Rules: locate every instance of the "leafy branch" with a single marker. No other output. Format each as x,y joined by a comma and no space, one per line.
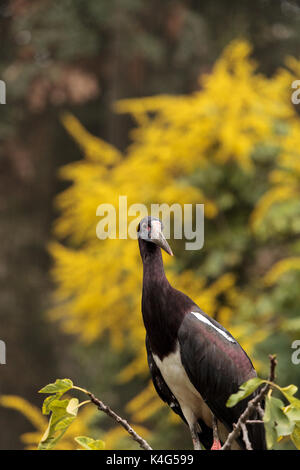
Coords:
106,409
279,420
64,412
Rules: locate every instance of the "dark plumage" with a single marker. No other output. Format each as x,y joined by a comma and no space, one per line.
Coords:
195,363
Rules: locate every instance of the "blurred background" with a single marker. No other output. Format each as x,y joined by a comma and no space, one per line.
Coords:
163,101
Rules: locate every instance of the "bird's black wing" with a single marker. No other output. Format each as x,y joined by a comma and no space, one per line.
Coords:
160,385
163,391
217,365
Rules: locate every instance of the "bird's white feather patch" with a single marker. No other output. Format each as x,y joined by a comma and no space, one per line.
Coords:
206,320
191,402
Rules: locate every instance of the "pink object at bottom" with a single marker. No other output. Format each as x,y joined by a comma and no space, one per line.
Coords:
216,445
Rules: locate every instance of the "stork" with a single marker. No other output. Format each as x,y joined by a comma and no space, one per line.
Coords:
195,363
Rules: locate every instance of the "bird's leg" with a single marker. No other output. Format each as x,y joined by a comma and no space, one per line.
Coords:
216,444
195,438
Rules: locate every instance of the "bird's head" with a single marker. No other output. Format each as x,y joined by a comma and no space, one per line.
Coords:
150,229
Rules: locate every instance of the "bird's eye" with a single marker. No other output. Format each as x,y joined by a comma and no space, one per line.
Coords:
144,226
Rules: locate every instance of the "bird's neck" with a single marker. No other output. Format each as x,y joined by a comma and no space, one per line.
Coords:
163,307
153,267
157,309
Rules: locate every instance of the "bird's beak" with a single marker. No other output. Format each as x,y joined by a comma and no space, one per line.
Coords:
158,238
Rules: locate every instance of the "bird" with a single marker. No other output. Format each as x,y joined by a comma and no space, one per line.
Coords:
195,363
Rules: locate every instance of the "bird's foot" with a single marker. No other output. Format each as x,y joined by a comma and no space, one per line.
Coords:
216,445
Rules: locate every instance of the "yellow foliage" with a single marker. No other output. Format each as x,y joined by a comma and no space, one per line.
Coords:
32,413
280,268
94,148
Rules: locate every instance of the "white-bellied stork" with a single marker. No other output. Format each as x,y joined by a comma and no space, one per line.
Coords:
195,363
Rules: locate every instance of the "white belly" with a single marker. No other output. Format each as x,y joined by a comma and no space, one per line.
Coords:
191,402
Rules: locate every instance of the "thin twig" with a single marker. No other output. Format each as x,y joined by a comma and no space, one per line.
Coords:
252,405
260,410
106,409
246,437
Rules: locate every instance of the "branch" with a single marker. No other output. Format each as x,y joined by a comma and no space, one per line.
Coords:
260,410
246,437
252,405
106,409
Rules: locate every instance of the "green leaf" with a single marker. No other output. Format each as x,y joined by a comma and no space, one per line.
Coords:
276,421
64,423
293,411
52,436
245,390
60,386
72,407
45,408
90,444
57,405
59,421
289,392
